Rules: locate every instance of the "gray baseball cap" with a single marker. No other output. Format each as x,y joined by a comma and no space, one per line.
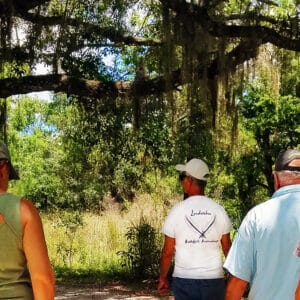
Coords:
285,159
4,154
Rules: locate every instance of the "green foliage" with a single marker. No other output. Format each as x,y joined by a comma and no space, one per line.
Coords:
27,116
273,121
66,248
14,69
66,274
251,185
126,179
142,255
290,72
160,187
71,157
103,153
94,245
32,142
268,124
156,136
88,66
222,187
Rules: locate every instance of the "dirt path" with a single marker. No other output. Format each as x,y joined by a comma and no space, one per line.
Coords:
141,291
144,291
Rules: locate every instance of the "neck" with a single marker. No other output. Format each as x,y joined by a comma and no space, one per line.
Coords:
191,188
196,194
285,178
195,191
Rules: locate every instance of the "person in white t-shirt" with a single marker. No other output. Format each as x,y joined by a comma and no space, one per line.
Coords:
196,230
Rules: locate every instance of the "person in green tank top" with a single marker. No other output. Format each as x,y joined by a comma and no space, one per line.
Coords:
25,269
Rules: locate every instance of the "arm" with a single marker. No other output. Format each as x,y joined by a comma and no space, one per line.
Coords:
165,262
235,288
297,293
34,244
226,243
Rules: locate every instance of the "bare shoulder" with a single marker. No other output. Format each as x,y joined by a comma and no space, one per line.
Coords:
28,211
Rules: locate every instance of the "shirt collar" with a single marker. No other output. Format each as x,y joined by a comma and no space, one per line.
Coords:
286,190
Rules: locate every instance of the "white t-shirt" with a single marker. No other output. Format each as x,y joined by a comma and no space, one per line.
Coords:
197,224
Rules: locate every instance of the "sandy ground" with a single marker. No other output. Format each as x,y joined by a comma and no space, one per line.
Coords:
107,292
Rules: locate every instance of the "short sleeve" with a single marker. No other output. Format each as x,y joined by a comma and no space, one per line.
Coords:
169,225
241,259
227,224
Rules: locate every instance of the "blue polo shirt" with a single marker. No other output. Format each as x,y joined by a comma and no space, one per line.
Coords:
266,249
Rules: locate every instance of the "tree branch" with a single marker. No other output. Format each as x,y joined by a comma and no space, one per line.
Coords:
265,34
9,7
59,83
97,89
235,57
110,33
82,87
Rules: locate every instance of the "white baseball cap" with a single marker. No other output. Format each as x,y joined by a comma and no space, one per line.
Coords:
196,168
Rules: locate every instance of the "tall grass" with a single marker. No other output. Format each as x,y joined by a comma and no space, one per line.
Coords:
86,244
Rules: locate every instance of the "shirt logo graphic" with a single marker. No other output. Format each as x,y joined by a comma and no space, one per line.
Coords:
197,229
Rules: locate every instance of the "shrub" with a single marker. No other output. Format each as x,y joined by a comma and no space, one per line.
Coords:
142,257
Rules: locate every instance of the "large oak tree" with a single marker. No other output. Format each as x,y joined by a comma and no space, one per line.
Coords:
163,49
57,32
190,57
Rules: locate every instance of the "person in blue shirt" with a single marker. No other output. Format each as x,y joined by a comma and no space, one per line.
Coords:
266,250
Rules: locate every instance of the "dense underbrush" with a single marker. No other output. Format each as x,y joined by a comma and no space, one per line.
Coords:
118,242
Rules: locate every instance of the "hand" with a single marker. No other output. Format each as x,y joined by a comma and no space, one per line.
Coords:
163,286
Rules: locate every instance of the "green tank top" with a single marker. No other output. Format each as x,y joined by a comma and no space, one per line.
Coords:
14,276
